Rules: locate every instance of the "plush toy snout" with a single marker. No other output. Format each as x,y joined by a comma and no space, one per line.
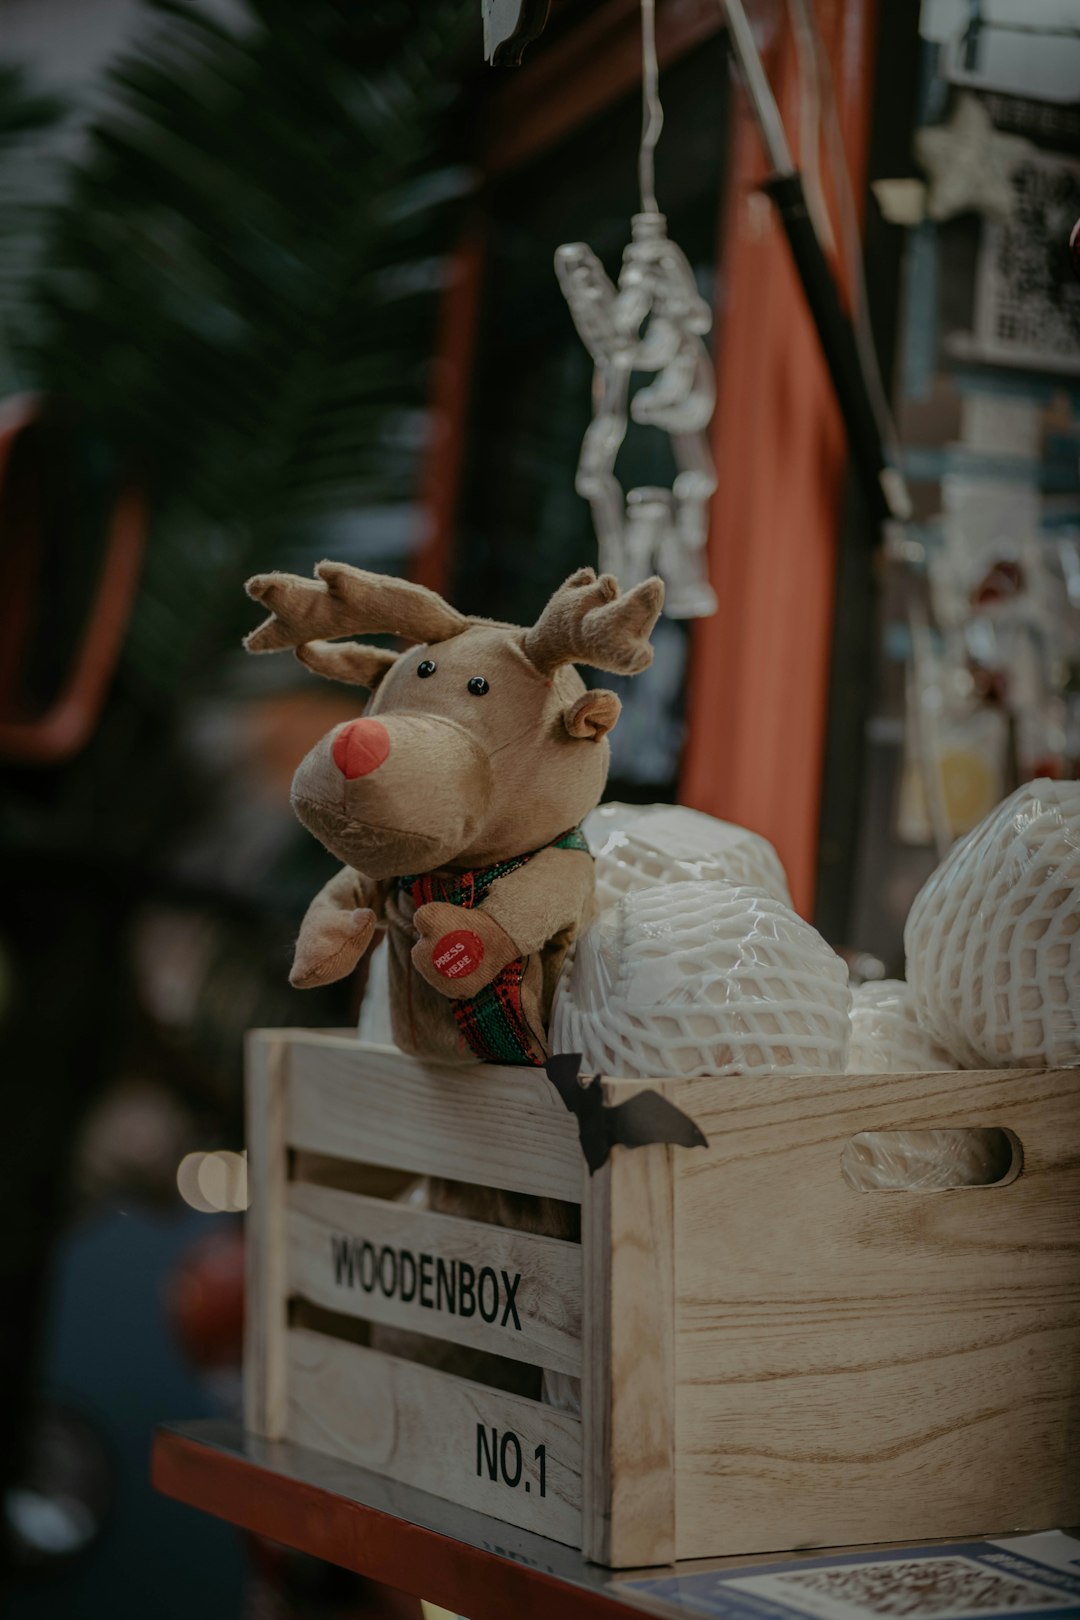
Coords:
360,748
394,794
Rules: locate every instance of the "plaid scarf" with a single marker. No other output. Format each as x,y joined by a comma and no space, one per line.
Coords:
492,1021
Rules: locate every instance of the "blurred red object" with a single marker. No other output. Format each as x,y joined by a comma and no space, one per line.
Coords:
1004,581
991,685
205,1300
67,721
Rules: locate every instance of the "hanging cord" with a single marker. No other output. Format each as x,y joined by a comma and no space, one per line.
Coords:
923,691
652,113
766,111
850,237
921,681
850,357
810,122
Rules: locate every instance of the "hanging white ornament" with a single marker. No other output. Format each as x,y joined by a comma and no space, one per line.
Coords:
969,164
653,322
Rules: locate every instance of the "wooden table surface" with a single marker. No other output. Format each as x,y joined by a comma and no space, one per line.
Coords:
390,1533
398,1536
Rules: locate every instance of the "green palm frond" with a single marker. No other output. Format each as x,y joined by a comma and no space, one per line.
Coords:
239,292
24,108
26,114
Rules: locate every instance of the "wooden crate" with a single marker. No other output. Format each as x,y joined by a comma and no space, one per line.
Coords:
769,1358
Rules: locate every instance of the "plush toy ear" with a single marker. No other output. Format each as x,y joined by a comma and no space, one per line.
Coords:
348,661
593,715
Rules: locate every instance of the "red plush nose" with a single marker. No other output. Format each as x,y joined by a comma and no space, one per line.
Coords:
360,747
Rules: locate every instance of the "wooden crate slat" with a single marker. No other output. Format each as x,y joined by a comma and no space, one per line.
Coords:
511,1131
901,1364
267,1057
628,1388
437,1432
428,1272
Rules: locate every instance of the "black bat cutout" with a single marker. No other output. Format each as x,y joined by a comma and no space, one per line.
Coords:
644,1118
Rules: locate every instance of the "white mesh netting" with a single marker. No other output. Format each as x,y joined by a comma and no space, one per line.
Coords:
637,845
993,938
886,1036
701,979
375,1024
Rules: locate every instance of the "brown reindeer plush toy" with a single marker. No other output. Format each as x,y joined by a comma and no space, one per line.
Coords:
455,802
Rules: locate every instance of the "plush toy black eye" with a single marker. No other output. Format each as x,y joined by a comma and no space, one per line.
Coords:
478,686
425,669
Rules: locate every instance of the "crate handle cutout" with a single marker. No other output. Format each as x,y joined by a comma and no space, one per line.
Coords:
945,1159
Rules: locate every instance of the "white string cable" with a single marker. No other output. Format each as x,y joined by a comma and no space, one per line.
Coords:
850,237
773,135
766,111
652,113
810,122
923,693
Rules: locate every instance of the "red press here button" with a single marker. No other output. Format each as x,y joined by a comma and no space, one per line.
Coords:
458,953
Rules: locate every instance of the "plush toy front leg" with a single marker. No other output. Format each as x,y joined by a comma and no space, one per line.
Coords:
329,947
460,951
335,932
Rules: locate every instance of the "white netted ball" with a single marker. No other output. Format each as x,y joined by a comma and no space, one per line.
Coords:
703,979
886,1036
993,938
637,845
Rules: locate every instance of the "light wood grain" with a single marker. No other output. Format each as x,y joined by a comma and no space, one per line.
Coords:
495,1127
420,1427
265,1290
541,1275
868,1366
769,1358
628,1380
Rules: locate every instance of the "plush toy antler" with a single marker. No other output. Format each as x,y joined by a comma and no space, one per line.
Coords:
588,622
454,801
345,601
